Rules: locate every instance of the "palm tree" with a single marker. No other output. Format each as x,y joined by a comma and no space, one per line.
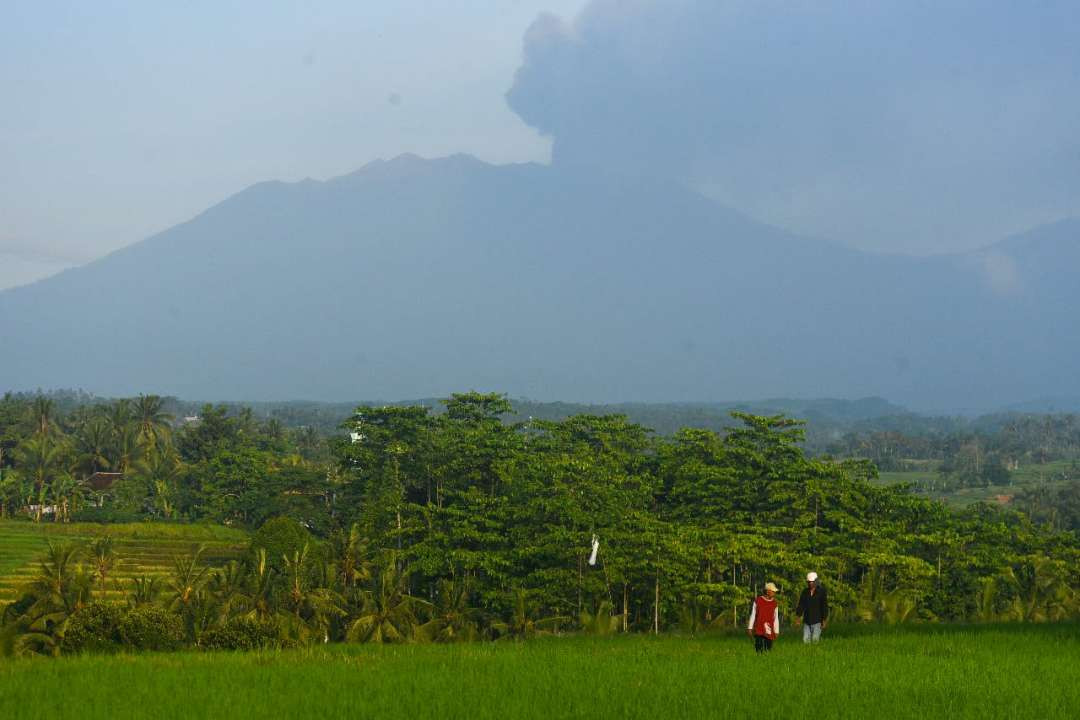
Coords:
187,578
312,609
986,602
41,459
93,441
151,421
351,557
185,585
104,559
388,614
145,590
1040,590
159,471
60,588
601,622
228,585
43,415
876,604
14,491
119,415
127,447
263,583
522,624
453,619
65,492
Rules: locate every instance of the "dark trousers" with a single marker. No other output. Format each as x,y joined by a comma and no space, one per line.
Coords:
762,643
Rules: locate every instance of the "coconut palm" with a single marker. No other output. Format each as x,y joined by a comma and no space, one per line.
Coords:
43,415
1040,590
119,415
312,609
186,596
151,420
93,444
228,585
601,622
388,613
127,447
14,492
159,471
986,601
104,560
876,604
263,582
64,496
59,589
453,619
187,578
41,459
351,557
522,624
145,591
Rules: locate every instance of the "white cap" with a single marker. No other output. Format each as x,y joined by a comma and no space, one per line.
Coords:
811,577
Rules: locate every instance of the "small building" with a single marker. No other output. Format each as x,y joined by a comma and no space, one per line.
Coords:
103,481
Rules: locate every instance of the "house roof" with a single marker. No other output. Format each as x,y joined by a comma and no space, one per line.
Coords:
103,480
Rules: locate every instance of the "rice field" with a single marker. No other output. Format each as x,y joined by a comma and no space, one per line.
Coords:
920,672
142,549
1026,476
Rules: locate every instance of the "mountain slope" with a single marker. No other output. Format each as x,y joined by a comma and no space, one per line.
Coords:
417,277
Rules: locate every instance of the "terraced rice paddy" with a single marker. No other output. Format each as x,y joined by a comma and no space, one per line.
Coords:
142,549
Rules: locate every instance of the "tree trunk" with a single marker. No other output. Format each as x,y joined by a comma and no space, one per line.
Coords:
579,584
656,608
734,604
625,606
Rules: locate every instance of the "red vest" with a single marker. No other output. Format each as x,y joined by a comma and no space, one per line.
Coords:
765,614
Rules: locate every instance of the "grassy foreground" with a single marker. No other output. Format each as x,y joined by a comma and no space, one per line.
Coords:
987,672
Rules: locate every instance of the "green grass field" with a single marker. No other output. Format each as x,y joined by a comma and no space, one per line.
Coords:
142,548
921,672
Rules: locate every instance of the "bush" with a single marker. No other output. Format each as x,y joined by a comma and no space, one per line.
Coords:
94,628
151,628
241,634
280,537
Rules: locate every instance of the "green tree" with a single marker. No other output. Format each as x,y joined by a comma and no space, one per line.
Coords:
104,559
42,460
151,421
387,613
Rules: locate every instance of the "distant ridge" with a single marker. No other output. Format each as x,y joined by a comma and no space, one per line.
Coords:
414,277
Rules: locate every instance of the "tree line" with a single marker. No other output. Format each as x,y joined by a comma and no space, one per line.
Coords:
451,525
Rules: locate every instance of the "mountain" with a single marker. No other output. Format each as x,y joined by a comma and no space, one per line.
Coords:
413,278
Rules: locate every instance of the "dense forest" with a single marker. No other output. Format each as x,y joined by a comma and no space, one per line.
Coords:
417,523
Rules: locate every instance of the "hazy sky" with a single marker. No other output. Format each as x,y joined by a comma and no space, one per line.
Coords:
120,119
896,125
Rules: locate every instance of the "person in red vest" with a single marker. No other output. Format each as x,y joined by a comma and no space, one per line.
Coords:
764,624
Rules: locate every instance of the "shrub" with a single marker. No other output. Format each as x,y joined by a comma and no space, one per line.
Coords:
94,628
242,634
151,628
280,537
